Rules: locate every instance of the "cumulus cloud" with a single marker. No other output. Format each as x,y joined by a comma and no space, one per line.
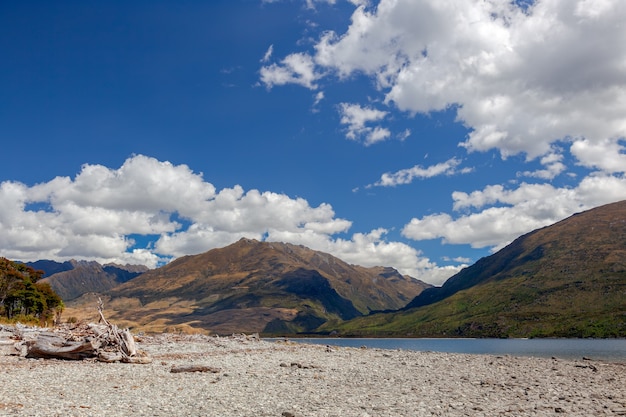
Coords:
520,78
534,78
499,215
98,214
608,154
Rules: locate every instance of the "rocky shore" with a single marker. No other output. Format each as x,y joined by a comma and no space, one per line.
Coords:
244,376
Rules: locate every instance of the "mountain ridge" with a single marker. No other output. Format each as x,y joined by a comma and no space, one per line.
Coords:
73,278
252,286
563,280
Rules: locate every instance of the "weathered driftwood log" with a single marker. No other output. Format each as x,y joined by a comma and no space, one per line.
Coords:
193,368
47,347
105,342
110,357
127,342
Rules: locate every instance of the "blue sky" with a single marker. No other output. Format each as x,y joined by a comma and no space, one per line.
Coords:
417,134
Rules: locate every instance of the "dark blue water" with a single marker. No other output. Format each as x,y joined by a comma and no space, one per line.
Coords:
613,350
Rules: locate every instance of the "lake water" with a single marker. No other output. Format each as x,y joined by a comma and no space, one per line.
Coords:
598,349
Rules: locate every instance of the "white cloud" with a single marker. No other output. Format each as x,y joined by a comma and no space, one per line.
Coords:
91,216
406,176
553,167
268,54
523,80
533,80
404,135
233,214
319,96
593,8
97,214
502,215
459,259
608,155
294,69
357,119
520,79
377,134
141,184
311,3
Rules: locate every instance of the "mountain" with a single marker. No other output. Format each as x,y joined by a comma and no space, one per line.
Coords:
564,280
50,267
253,286
72,279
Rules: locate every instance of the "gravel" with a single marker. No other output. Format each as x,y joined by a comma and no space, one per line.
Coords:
245,376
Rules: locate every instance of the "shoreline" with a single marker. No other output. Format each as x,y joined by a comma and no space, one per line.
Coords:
607,350
253,377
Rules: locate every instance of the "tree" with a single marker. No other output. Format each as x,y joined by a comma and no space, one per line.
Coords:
54,303
22,295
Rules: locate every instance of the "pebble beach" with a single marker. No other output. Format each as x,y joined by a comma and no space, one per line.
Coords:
193,375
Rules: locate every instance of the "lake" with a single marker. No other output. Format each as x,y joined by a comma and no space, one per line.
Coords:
613,350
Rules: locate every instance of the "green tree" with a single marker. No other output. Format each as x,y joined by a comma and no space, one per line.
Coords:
54,303
22,295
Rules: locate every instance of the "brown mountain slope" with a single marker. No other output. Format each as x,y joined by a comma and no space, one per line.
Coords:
568,279
253,286
79,277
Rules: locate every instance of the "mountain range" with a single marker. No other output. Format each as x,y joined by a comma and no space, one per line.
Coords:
564,280
252,286
73,278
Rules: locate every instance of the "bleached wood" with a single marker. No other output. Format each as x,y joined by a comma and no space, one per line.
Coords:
103,341
128,343
46,348
193,368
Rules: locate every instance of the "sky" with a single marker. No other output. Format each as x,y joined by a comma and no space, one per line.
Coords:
416,134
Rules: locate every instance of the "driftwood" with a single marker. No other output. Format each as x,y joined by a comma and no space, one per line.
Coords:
193,368
50,346
104,342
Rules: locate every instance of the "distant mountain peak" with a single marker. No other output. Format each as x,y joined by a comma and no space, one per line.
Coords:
73,278
253,286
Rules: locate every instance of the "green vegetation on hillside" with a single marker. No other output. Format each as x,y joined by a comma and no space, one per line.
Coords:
565,280
518,309
23,298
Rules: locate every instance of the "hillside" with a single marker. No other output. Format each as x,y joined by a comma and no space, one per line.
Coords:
72,279
253,286
565,280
